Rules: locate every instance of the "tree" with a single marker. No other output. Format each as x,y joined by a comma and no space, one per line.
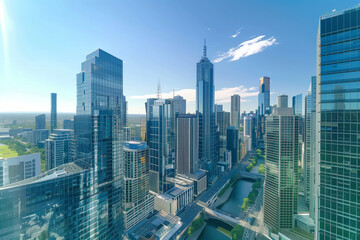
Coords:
237,232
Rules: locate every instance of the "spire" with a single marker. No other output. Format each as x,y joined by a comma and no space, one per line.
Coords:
158,90
204,53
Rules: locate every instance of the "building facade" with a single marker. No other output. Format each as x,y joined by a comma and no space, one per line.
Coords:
235,110
205,110
187,144
338,112
58,148
138,202
232,145
53,114
281,169
160,137
40,122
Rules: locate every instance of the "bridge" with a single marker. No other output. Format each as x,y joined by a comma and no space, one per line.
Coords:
250,175
229,219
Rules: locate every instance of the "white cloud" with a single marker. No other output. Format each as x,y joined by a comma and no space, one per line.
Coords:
236,34
247,48
221,96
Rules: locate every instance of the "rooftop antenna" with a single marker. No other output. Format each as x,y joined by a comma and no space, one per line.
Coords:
158,95
204,52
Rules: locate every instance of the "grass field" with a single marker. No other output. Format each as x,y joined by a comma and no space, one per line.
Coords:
6,152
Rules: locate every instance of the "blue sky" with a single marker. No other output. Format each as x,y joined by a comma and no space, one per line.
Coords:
43,43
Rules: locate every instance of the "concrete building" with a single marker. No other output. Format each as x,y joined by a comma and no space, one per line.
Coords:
137,201
17,168
187,144
235,111
68,124
175,199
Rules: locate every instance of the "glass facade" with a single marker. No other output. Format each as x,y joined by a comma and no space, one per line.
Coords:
281,170
235,111
205,110
297,104
264,96
232,144
160,137
338,81
40,121
53,114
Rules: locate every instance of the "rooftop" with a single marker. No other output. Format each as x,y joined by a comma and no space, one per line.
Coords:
133,145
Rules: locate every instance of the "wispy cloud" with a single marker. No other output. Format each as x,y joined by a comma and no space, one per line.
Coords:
236,34
221,96
247,48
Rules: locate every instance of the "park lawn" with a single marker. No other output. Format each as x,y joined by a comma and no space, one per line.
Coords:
6,152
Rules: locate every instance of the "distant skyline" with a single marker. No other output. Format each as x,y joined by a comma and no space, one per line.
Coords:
43,43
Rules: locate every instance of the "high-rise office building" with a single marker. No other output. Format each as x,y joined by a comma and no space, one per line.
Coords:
99,122
232,139
313,153
307,146
205,97
160,137
53,114
81,199
249,133
39,136
179,105
40,122
68,124
127,134
282,101
264,96
58,148
187,141
138,202
235,110
297,104
338,117
223,122
281,168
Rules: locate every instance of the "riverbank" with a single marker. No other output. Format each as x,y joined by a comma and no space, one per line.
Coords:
223,198
197,234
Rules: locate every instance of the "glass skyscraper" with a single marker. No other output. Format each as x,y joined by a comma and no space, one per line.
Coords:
281,169
338,119
205,110
297,104
40,121
53,114
264,96
82,199
160,137
235,111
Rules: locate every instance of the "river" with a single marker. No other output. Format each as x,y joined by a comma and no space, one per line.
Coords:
232,206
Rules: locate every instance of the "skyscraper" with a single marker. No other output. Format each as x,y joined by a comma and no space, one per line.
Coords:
281,168
138,202
338,117
232,145
249,133
40,122
282,101
68,124
187,141
99,123
205,96
179,105
264,96
297,104
160,137
223,122
235,110
313,153
58,148
53,116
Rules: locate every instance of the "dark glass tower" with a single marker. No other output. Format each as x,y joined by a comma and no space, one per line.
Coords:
53,117
338,129
40,122
205,96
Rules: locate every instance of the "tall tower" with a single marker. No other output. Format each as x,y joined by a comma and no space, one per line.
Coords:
338,117
205,96
160,137
281,168
264,96
235,110
53,117
99,124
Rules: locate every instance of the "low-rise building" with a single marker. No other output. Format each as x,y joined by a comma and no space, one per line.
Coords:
175,199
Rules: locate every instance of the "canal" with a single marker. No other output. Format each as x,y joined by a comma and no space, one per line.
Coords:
215,229
241,190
